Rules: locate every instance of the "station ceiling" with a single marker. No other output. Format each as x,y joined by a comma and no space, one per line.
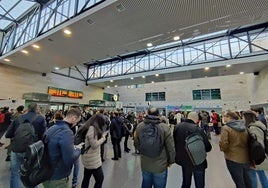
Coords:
117,27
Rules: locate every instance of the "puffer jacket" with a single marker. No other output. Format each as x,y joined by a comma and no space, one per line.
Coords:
92,158
167,157
257,128
234,142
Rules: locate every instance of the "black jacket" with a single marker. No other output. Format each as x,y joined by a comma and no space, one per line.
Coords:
181,131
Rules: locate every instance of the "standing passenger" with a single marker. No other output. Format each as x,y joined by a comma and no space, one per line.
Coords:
62,153
116,135
234,144
258,129
17,158
91,159
181,131
7,117
154,169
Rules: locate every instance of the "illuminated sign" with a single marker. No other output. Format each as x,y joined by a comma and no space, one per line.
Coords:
59,92
75,94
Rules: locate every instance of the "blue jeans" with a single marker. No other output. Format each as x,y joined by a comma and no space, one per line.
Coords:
16,160
262,177
199,177
75,172
158,180
239,173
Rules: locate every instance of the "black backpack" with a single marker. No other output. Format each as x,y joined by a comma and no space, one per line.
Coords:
256,150
24,135
36,167
151,142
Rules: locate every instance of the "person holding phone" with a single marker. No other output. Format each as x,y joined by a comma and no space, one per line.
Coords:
91,159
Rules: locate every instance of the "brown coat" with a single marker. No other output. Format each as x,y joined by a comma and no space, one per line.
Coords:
234,144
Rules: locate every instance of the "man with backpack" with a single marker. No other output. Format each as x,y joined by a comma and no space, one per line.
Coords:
154,141
184,157
62,153
30,124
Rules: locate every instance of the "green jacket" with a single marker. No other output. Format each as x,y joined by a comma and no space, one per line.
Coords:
167,157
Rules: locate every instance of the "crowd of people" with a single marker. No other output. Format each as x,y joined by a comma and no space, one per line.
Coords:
60,126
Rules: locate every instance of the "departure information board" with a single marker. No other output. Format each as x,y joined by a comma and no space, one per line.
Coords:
59,92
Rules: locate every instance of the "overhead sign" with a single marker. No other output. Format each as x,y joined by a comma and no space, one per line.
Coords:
59,92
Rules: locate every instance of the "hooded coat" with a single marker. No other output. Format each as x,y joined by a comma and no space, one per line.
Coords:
257,128
234,142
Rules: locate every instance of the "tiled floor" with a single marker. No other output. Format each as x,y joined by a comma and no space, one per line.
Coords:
125,173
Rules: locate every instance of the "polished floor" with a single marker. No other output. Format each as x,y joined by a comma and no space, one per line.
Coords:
126,172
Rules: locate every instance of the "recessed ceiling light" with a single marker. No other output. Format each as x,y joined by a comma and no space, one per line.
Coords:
152,82
115,85
228,66
131,78
156,75
67,32
35,46
206,68
108,86
241,73
176,38
57,68
7,60
111,81
24,51
143,76
149,44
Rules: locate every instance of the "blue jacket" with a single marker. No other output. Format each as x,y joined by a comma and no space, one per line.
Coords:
61,149
39,125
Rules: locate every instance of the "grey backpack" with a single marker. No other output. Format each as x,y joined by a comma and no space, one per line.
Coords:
195,147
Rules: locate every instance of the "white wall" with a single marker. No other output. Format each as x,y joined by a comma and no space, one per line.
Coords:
14,82
236,90
258,87
234,93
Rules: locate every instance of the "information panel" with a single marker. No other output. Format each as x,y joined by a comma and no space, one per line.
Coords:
75,94
57,92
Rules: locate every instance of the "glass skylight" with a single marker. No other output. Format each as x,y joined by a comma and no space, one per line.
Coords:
12,10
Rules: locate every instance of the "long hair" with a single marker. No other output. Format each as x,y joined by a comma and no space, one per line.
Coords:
249,117
97,121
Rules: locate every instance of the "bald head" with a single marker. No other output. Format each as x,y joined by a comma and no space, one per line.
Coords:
193,116
153,111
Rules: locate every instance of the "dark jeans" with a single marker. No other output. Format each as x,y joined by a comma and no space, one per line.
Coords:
199,177
126,141
239,173
206,129
102,151
116,148
97,174
216,128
